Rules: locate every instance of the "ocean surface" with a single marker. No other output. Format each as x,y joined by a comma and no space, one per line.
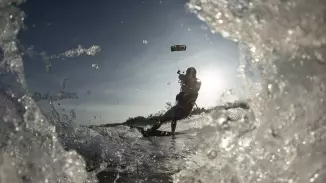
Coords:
123,154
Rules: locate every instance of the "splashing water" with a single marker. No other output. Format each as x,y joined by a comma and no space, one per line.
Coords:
79,51
283,39
30,151
93,50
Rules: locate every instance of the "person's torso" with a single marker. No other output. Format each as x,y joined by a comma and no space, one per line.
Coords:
191,86
189,93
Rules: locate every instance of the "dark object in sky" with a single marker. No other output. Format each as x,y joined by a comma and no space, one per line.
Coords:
178,48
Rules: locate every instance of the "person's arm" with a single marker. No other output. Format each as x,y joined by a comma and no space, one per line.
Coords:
182,77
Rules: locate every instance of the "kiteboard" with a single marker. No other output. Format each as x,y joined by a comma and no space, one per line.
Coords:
154,133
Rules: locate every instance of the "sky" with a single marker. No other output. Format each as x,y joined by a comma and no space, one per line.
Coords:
136,72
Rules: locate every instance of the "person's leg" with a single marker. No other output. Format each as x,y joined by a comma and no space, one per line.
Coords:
156,126
173,126
170,115
178,114
174,114
182,110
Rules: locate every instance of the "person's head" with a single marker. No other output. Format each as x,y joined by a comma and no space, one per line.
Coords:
191,72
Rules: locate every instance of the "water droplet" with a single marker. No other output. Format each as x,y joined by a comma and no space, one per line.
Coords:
253,49
212,154
145,41
95,66
222,120
218,15
319,57
270,87
203,27
225,34
201,18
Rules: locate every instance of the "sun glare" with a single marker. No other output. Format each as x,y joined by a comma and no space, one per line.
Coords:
213,84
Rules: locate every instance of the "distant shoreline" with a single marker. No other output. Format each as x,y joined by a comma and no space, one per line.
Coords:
139,119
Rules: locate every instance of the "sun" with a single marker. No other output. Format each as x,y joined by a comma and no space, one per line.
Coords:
212,85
